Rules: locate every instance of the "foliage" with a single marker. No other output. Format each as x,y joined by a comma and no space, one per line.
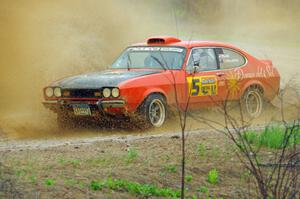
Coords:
49,182
74,162
134,188
170,168
188,178
213,177
32,178
272,137
132,155
203,189
201,150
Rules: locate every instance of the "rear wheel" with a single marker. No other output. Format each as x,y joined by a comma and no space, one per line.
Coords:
154,110
253,102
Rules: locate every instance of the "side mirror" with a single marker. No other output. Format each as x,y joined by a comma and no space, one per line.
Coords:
195,68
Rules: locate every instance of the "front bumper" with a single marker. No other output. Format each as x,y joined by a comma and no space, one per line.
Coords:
97,107
111,104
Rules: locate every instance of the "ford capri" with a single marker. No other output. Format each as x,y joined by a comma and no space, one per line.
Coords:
150,79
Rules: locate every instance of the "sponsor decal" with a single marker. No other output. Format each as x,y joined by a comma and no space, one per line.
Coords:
224,58
203,85
234,77
264,72
233,82
164,49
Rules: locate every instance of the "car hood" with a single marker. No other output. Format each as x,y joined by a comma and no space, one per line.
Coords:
100,79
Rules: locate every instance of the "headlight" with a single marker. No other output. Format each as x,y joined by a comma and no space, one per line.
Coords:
57,92
115,92
49,92
106,92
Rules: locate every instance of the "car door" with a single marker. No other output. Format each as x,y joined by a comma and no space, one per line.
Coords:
206,82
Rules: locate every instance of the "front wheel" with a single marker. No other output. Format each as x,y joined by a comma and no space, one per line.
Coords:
253,102
154,110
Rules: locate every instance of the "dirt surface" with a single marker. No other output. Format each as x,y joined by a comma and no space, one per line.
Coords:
74,165
44,41
72,160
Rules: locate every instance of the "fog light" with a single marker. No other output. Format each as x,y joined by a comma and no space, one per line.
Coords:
97,94
66,93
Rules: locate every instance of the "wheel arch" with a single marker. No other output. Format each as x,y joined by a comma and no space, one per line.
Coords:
151,92
253,84
155,91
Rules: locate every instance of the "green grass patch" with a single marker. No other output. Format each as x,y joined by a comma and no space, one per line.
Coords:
49,182
188,178
170,168
131,155
32,178
213,176
74,162
134,188
201,150
274,137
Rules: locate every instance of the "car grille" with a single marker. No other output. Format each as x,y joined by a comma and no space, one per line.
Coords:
80,93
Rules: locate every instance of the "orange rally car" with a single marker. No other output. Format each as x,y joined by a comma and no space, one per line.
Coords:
151,77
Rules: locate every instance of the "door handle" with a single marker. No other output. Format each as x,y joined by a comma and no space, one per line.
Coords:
219,74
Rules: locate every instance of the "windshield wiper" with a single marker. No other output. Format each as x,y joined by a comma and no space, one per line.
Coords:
158,61
128,61
164,61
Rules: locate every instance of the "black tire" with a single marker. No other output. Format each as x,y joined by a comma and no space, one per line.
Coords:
154,110
253,102
65,122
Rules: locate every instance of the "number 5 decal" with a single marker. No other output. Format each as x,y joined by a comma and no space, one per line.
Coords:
195,87
203,85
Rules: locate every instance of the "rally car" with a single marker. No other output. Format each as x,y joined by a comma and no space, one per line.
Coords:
150,78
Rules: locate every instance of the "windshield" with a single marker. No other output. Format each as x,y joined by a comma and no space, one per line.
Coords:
151,57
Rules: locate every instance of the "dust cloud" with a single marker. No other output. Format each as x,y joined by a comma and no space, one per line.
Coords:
42,41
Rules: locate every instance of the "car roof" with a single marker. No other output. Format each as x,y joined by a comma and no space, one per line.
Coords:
173,41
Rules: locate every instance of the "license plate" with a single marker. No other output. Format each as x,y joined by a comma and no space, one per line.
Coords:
81,109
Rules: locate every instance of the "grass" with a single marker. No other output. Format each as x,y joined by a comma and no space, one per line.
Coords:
170,168
208,152
213,176
49,182
131,155
73,162
201,149
32,178
134,188
205,193
188,178
273,137
203,189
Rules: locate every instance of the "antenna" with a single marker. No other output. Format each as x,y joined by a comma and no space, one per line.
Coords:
176,22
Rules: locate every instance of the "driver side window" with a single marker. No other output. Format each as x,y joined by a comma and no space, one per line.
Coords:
204,58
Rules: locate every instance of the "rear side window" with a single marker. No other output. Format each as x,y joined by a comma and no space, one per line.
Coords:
229,58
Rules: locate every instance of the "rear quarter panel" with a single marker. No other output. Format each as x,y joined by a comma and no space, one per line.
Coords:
260,73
